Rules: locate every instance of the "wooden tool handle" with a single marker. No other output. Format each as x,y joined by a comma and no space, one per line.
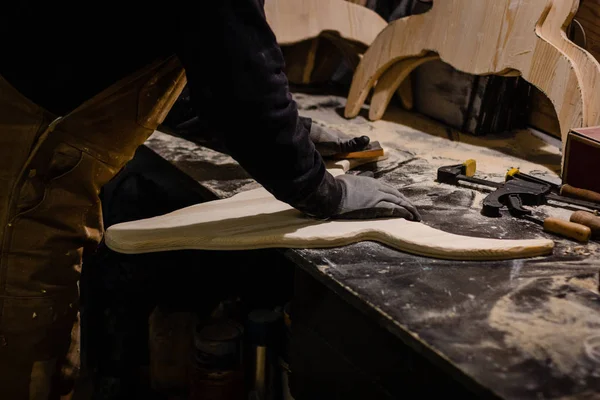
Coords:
571,230
587,219
570,191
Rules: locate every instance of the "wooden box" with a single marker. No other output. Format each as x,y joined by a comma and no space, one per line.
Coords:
582,159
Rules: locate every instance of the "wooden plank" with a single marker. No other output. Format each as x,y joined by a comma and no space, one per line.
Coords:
294,21
585,65
255,219
307,29
543,116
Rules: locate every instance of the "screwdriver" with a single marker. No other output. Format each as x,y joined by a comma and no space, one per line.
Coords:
569,229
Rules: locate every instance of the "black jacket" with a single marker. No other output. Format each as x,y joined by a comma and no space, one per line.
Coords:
60,54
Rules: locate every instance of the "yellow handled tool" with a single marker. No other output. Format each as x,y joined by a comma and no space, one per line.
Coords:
373,150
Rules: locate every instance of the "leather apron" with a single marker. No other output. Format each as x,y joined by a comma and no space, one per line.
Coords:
51,171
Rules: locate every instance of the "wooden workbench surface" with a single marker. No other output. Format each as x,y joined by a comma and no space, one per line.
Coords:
527,329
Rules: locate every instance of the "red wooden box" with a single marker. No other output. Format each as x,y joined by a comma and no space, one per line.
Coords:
581,167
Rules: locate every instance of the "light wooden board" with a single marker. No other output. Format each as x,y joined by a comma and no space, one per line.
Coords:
585,30
256,220
351,28
480,37
294,21
586,66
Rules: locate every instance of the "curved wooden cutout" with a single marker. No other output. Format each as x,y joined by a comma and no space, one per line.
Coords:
497,36
361,2
294,21
255,219
310,61
587,67
390,81
405,92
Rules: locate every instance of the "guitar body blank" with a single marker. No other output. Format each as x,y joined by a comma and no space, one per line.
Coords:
256,220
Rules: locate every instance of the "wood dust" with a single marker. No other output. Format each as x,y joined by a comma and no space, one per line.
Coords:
549,327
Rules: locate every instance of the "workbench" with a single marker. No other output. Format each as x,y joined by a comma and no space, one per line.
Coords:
527,329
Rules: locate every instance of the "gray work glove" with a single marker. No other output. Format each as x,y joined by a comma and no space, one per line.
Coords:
365,198
329,141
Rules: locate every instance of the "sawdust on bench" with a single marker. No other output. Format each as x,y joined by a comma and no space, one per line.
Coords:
439,145
550,329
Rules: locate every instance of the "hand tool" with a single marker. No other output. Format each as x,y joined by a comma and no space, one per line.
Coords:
514,194
374,149
564,190
531,193
558,226
588,219
571,230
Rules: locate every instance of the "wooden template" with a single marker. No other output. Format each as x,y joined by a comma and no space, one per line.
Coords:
584,30
350,27
255,219
586,66
397,79
294,21
497,37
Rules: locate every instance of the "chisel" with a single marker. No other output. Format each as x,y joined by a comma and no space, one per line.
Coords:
571,230
570,191
588,219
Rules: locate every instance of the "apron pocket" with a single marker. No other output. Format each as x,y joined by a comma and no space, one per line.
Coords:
64,160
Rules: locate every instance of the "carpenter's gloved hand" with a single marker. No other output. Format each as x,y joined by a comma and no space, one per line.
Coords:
329,142
364,198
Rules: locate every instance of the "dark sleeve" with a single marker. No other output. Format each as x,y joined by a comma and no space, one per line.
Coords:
235,75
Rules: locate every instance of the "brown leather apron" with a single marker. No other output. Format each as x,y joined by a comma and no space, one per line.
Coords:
51,173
